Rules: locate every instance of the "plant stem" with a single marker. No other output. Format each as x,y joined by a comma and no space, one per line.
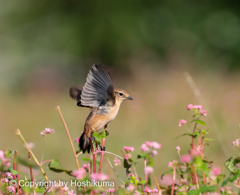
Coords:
34,157
102,155
145,164
158,186
174,177
69,137
30,167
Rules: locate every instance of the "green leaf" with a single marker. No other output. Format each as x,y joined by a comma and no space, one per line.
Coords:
225,181
150,162
86,159
204,188
220,178
55,166
102,135
190,134
27,163
231,163
8,153
200,122
97,162
170,171
142,182
141,156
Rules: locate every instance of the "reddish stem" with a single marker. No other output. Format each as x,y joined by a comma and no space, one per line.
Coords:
14,165
174,177
102,155
145,164
30,167
17,180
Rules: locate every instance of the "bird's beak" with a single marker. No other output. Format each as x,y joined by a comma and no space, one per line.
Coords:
130,98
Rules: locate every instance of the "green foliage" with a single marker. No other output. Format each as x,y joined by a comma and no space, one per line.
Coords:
55,166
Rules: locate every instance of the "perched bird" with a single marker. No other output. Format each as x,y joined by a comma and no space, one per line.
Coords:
99,95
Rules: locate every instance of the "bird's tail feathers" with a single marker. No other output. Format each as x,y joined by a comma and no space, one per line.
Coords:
84,142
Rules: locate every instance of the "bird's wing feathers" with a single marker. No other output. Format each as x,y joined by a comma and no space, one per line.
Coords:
98,89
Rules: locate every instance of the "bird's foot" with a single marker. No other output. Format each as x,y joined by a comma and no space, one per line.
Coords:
102,148
105,127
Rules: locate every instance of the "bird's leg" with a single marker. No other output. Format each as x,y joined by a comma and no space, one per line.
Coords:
103,147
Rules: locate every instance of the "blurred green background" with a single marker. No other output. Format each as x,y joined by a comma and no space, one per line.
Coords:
48,46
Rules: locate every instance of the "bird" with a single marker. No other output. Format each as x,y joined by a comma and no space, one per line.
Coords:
102,98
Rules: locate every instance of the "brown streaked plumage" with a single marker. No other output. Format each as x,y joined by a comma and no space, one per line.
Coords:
99,95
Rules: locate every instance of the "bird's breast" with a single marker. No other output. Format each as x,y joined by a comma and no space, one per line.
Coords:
102,117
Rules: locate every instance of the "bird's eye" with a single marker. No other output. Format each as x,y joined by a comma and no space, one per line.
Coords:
120,94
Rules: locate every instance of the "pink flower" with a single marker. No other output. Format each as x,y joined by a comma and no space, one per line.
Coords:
77,139
148,143
144,148
222,189
186,158
155,190
235,143
128,148
237,165
98,177
182,122
71,192
110,190
5,180
64,189
216,171
130,187
156,145
148,170
147,189
136,192
170,164
117,161
178,148
86,167
204,112
195,152
199,107
189,106
9,175
130,174
11,189
154,152
2,154
127,156
47,131
79,174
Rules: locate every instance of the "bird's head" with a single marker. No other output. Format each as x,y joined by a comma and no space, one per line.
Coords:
121,95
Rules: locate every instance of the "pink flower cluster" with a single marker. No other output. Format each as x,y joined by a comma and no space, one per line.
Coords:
79,174
5,161
197,107
223,189
111,190
86,167
151,147
98,177
186,158
215,171
128,148
153,191
235,143
47,131
148,170
182,122
116,161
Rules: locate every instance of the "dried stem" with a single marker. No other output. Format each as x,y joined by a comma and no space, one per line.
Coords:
158,186
102,155
34,157
69,137
30,167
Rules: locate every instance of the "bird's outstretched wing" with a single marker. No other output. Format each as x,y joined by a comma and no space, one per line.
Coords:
98,89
